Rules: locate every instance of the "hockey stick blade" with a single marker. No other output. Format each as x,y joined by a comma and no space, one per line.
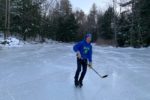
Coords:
104,76
98,73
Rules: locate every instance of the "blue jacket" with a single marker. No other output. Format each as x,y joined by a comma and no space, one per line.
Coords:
85,50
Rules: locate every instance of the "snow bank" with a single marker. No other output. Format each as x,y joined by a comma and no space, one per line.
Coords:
1,40
10,42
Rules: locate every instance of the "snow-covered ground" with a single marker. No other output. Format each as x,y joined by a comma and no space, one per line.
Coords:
11,42
46,72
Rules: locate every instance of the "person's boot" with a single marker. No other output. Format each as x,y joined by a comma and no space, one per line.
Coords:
76,83
80,84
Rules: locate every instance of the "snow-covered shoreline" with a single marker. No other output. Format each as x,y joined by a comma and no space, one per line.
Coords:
13,42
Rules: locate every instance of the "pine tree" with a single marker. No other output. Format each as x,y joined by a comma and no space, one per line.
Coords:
124,26
144,10
106,31
2,15
67,25
82,24
92,22
26,18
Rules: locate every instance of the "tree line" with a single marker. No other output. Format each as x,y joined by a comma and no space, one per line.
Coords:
30,19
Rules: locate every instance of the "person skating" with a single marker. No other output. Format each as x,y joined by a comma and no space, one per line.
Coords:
83,51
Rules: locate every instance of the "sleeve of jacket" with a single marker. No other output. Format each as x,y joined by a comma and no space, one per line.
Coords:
90,55
77,46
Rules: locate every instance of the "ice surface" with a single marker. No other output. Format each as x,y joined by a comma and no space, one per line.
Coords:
46,72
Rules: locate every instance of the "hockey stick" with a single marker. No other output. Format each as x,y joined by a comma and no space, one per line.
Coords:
98,73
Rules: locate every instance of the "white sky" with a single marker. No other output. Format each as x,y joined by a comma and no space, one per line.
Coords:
86,5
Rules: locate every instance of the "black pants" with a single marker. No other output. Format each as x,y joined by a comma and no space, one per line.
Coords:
81,63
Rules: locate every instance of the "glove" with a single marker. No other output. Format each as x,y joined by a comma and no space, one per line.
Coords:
78,54
90,64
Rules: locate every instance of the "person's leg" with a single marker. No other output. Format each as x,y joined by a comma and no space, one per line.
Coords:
77,71
84,69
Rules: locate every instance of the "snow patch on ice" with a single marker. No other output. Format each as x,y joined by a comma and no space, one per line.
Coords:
10,42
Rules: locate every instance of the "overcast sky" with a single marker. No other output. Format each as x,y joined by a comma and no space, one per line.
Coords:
86,5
